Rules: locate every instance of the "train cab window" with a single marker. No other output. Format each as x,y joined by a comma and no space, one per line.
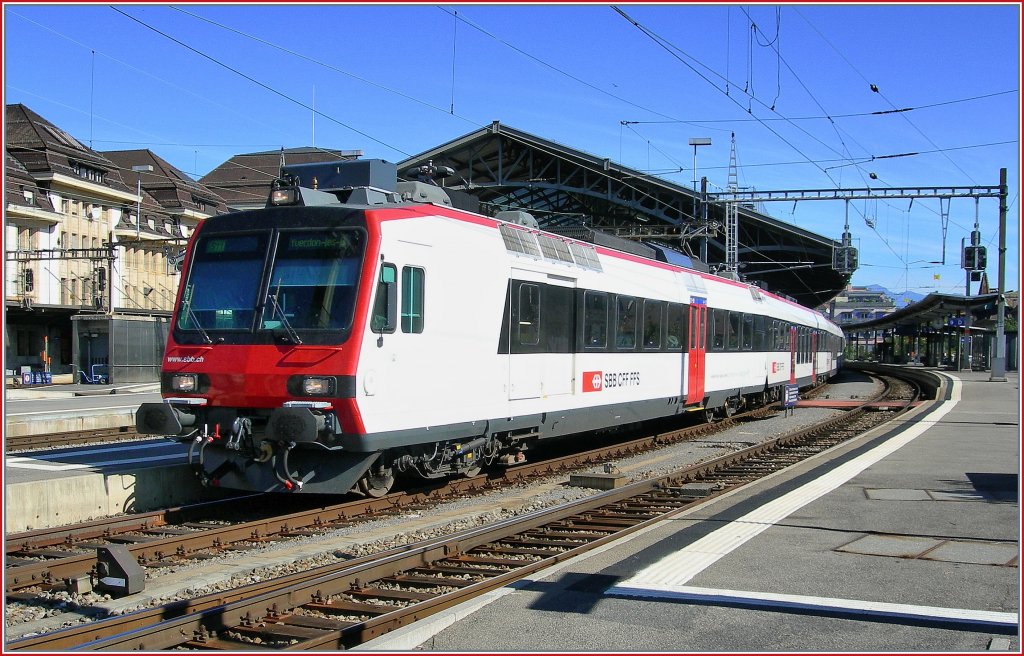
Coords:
412,299
385,302
747,342
625,322
652,324
529,315
595,320
735,330
675,327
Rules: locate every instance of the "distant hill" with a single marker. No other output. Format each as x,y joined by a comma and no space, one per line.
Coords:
902,299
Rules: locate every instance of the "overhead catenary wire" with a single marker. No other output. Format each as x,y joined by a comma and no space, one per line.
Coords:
875,89
834,116
261,84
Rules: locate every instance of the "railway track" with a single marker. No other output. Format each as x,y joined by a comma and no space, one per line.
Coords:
347,603
53,559
70,438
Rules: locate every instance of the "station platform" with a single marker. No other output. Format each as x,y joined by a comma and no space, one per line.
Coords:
38,409
63,486
904,539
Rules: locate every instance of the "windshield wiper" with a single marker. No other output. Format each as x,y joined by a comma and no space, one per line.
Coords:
279,313
195,320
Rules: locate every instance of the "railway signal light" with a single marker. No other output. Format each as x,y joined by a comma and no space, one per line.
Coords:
975,258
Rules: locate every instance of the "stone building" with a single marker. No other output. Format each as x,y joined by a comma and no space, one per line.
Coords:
81,270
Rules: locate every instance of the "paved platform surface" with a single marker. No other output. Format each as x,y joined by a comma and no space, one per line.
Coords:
906,539
38,409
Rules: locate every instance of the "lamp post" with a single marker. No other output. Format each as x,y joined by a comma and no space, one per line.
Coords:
699,141
139,170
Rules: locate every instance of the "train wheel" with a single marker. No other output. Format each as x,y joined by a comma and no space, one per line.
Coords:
709,415
731,406
376,483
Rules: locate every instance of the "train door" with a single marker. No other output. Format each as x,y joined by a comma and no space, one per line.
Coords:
697,349
541,332
793,345
814,356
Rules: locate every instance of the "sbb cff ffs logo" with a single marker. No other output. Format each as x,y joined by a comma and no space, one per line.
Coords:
593,381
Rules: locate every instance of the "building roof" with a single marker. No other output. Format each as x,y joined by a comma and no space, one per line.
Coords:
172,189
933,307
42,147
17,181
563,187
244,180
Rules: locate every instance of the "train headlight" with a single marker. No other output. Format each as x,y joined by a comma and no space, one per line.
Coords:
184,382
283,196
317,385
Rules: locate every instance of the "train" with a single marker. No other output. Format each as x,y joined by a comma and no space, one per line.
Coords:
360,329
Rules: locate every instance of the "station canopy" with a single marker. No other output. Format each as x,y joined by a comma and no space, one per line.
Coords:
567,189
935,311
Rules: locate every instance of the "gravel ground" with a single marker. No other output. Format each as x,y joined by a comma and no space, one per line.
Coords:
231,570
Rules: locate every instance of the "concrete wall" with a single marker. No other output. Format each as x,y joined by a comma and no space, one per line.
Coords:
80,497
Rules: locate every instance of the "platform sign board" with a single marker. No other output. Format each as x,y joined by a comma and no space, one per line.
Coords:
790,397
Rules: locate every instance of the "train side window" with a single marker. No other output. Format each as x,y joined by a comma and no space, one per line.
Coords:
735,328
412,299
675,333
721,330
529,315
595,319
748,332
625,322
652,324
759,333
385,305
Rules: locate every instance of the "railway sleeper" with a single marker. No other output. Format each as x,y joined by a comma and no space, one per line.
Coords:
519,551
457,571
435,581
373,592
278,631
527,541
347,607
219,644
580,534
510,563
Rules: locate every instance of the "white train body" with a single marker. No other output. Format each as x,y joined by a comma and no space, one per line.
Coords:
478,360
322,348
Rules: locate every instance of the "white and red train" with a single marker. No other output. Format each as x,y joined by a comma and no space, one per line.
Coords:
334,340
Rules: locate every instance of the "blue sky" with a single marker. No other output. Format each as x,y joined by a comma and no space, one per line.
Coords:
396,80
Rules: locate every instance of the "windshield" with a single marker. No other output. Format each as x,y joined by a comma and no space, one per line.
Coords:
311,286
314,280
223,282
